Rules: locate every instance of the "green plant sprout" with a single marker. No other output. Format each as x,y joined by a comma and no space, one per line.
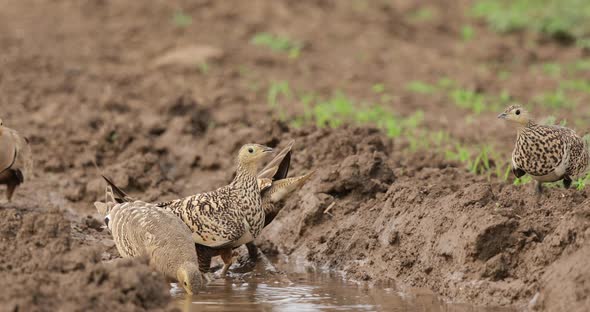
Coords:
467,33
422,15
576,85
523,180
565,20
378,88
552,69
204,68
503,75
420,87
277,43
276,89
468,99
555,99
181,19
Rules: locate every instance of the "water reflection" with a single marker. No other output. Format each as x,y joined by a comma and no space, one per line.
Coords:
304,290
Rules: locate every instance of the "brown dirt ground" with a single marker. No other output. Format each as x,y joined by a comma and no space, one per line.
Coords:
79,79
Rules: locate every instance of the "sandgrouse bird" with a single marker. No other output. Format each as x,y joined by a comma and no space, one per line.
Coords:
225,218
275,186
143,230
15,159
546,153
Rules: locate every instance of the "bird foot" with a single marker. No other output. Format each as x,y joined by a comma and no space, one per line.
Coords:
221,273
208,277
539,189
567,182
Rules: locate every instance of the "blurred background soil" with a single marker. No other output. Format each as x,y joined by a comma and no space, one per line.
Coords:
161,95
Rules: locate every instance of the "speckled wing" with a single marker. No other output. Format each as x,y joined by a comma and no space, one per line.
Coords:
541,150
579,159
211,222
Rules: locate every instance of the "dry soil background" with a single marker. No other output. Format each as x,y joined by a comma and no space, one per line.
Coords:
88,81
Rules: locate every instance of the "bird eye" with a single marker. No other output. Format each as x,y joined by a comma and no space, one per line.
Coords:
250,150
185,284
517,112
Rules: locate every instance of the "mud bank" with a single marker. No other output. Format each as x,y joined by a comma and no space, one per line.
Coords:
423,222
47,266
77,79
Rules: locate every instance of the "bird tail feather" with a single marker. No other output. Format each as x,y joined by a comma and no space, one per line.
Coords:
117,195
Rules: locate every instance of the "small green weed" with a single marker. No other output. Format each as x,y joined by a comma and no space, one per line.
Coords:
468,99
422,15
420,87
278,43
564,20
503,75
378,88
204,68
581,65
523,180
552,69
276,89
577,85
467,33
181,19
555,99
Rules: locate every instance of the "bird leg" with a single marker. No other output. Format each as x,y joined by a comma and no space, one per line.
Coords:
252,252
227,255
518,172
567,182
10,187
539,188
204,254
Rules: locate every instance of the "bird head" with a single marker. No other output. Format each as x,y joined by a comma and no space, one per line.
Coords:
516,114
252,154
189,277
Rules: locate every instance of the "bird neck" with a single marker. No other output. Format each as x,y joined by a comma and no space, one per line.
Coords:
522,126
246,172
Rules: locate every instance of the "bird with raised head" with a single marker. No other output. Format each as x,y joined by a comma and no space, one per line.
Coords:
547,153
275,186
225,218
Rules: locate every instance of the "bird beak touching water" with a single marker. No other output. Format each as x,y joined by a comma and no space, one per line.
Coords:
502,116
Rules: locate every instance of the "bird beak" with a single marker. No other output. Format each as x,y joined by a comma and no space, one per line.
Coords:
267,149
502,116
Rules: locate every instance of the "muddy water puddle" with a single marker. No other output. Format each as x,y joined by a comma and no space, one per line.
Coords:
303,289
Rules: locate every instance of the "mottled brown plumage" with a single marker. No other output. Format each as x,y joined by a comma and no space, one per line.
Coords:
546,153
276,186
229,216
143,230
15,159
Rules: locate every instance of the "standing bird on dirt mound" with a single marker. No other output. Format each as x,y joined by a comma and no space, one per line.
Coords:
275,186
547,153
226,218
15,159
229,216
142,230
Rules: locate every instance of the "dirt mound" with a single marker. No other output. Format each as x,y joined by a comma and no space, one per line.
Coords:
427,224
44,268
567,284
